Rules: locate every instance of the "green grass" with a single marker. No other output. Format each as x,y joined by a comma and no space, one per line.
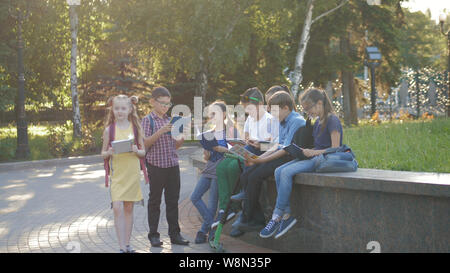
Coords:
38,142
421,146
410,146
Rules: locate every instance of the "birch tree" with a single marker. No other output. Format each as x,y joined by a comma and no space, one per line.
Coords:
73,69
297,76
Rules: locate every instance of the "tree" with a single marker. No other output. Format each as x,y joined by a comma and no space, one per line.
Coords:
304,39
73,69
20,13
420,51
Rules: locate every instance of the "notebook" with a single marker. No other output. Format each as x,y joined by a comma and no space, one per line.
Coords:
122,146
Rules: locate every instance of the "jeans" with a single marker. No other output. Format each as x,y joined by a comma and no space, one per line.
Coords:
251,180
207,212
338,162
284,176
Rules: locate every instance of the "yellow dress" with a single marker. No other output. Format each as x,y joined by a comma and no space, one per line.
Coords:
125,172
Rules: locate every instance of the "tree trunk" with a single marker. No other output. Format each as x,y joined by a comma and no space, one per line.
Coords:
22,150
297,76
348,86
73,73
202,79
353,102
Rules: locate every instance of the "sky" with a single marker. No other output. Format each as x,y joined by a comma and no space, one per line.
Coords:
436,6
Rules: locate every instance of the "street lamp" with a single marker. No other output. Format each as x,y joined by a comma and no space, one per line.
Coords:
372,60
442,18
73,67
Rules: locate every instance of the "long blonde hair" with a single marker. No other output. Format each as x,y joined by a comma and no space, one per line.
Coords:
132,117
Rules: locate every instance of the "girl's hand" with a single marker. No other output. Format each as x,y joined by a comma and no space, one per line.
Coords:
135,149
206,155
309,152
110,151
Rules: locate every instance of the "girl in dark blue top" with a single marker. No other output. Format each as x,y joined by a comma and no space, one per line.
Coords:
327,132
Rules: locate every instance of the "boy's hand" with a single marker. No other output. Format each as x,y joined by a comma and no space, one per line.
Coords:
254,143
248,164
250,161
206,155
110,151
165,129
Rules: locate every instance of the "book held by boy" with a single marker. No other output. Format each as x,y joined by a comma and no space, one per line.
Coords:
242,152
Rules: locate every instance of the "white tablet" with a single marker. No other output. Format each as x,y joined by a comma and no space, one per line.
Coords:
122,146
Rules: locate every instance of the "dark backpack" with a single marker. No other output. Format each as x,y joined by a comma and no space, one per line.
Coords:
112,133
303,138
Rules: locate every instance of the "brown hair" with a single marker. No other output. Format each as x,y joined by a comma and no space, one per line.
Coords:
230,121
272,90
160,91
314,95
132,117
282,99
254,93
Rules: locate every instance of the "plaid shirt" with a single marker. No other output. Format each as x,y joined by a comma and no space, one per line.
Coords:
162,153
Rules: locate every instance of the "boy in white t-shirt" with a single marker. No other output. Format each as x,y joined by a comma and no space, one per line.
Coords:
259,126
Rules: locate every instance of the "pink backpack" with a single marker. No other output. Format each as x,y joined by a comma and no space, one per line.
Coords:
112,133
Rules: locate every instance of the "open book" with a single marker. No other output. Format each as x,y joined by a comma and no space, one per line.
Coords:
294,150
241,152
236,141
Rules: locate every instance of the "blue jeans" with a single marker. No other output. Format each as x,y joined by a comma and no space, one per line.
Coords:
207,212
284,176
338,162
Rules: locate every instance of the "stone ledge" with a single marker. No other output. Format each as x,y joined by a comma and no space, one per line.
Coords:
416,183
345,212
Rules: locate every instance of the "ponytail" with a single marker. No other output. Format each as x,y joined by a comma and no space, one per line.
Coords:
313,95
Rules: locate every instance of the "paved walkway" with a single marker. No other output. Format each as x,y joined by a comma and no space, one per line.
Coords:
65,208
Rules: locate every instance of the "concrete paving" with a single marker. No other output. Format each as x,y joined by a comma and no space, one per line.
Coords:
66,208
63,206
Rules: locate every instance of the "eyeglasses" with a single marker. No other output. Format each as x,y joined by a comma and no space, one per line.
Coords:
306,109
168,105
248,98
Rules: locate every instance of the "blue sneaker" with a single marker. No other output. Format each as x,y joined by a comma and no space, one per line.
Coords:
270,229
238,197
285,226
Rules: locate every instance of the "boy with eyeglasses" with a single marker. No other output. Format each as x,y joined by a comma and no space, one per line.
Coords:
163,167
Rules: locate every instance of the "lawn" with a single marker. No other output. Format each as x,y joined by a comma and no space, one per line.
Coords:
41,147
410,146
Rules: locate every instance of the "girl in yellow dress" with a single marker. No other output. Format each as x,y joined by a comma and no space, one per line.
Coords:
124,167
